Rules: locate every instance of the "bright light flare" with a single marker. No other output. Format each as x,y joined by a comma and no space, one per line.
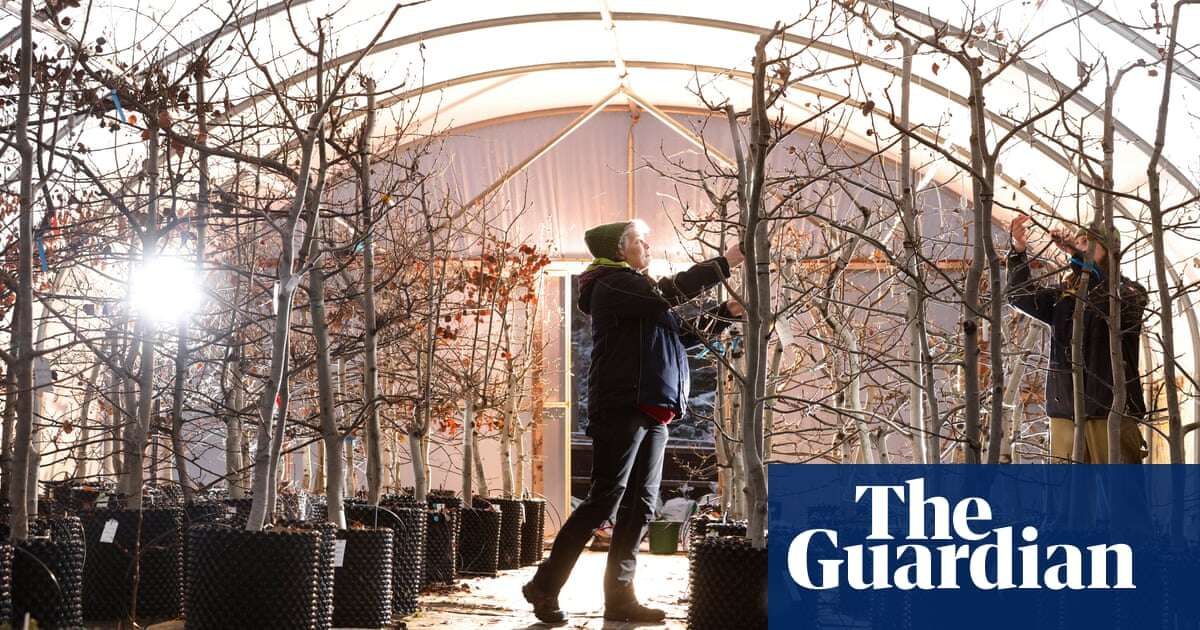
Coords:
660,268
165,289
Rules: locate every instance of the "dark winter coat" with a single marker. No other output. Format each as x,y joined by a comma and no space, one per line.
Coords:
639,344
1055,306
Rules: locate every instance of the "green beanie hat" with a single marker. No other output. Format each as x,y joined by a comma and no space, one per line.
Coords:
604,241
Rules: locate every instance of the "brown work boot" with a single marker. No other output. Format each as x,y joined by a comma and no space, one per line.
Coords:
545,605
621,604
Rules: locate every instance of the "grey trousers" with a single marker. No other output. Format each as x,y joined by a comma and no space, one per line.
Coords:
627,460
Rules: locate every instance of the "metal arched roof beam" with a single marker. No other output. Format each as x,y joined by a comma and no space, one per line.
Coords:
1124,31
1042,77
517,71
249,18
466,27
901,10
927,84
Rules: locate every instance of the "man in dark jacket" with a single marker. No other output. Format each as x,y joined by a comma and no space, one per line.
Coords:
637,383
1055,306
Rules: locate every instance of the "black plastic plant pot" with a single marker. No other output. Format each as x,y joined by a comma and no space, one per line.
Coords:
697,526
701,527
206,513
362,585
439,499
398,500
511,522
479,541
408,557
441,495
244,579
441,546
294,506
328,532
734,529
6,560
48,507
325,584
74,495
317,510
47,575
728,583
109,573
238,511
168,494
199,513
533,531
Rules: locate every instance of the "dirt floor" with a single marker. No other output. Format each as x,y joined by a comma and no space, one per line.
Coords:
496,603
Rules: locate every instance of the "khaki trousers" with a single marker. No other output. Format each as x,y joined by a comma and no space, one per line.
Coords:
1095,441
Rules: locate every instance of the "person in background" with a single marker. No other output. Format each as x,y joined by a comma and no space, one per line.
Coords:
638,383
1055,306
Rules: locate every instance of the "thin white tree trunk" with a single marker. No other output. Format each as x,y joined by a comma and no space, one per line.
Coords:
394,468
277,373
19,486
264,469
329,425
974,280
507,442
1012,396
477,457
468,449
418,453
344,448
318,478
234,463
914,313
723,413
10,415
85,421
1079,402
838,323
181,356
1116,327
146,333
772,391
373,439
351,471
1161,264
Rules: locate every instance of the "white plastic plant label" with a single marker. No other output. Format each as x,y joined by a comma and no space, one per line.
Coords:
102,502
339,552
110,531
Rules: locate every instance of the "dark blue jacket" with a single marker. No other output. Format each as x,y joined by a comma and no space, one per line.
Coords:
639,345
1056,306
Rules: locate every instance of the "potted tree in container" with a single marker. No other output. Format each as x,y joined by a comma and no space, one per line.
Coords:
262,577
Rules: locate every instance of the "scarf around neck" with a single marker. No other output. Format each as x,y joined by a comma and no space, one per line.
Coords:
601,261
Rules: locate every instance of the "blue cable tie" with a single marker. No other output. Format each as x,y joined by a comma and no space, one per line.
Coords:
41,245
117,102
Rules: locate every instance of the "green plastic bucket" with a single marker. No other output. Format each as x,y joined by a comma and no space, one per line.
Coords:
664,536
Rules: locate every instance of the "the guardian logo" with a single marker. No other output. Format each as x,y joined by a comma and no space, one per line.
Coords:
996,564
